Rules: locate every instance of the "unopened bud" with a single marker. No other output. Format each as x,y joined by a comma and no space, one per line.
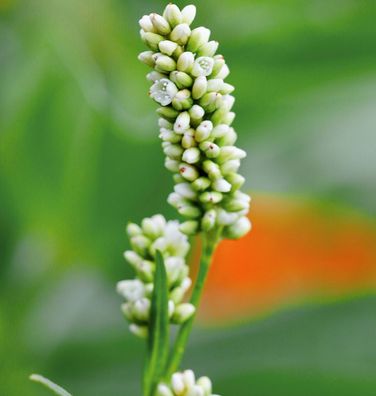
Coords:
181,79
199,88
147,58
173,15
167,47
188,14
185,62
238,229
146,24
160,24
201,184
185,190
189,227
189,172
182,100
152,40
212,169
180,34
203,131
139,331
182,122
199,37
212,197
183,312
211,149
221,185
172,165
208,220
191,155
165,64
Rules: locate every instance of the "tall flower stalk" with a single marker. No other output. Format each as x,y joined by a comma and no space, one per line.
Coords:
195,118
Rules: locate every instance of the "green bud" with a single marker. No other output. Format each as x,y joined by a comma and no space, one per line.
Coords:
188,14
205,384
201,184
188,140
172,165
180,34
139,331
147,58
173,151
210,101
235,180
212,197
185,62
152,40
238,229
133,229
140,244
189,172
226,89
160,24
173,15
199,88
221,185
182,122
199,37
208,49
191,155
211,149
181,79
203,131
208,220
165,64
219,62
215,85
163,390
212,169
182,100
146,24
196,112
183,312
167,112
167,47
230,153
189,211
229,138
189,227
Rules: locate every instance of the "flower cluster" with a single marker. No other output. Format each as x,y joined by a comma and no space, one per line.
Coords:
195,122
155,233
185,384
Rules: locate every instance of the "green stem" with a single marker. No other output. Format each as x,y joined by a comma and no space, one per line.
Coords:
210,241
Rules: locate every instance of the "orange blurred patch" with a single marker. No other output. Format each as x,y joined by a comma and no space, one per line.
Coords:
296,250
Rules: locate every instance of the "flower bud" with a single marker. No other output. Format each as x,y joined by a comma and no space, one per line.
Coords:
140,244
189,378
227,102
236,205
167,47
189,172
182,122
215,85
230,153
181,79
178,178
183,312
173,151
208,220
210,149
226,218
238,229
212,169
131,290
235,180
177,383
188,140
185,190
173,15
163,390
188,14
219,62
147,58
205,384
229,138
176,200
169,136
189,211
196,112
152,40
139,331
154,75
203,131
172,165
201,184
199,37
133,229
126,309
191,155
163,123
221,185
226,89
223,73
202,66
141,309
189,227
165,64
210,101
182,100
231,166
146,24
160,24
185,62
150,229
180,34
133,258
199,88
208,49
212,197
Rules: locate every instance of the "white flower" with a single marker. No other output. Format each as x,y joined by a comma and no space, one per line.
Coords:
163,91
203,66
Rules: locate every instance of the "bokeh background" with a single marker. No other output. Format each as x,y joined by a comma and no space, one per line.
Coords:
290,309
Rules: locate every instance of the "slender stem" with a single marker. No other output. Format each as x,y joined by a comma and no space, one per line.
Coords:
210,241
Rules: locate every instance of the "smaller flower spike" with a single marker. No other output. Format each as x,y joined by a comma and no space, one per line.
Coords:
185,384
195,125
155,233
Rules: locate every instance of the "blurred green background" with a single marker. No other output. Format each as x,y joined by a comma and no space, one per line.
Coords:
79,157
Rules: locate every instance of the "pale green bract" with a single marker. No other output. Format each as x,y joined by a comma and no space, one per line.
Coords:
195,122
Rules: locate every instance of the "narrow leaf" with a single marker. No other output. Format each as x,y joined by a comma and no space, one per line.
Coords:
58,390
159,327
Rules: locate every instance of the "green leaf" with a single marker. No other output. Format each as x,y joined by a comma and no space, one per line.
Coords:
58,390
158,328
